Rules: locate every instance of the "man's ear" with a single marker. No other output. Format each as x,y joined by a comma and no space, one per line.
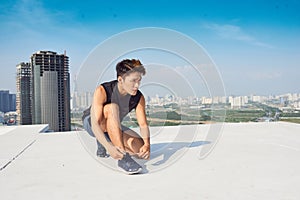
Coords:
120,79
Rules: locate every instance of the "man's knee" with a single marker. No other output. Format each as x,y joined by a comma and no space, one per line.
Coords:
111,111
133,141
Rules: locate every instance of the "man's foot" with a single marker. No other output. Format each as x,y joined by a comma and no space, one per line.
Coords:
129,165
101,151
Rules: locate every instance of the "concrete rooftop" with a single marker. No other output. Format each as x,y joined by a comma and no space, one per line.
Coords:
250,161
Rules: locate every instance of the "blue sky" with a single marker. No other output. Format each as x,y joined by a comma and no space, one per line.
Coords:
255,44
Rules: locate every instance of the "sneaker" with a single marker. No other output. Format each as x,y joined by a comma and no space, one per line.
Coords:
101,151
129,165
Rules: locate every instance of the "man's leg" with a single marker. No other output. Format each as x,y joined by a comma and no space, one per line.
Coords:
121,136
101,151
132,141
113,125
87,126
121,140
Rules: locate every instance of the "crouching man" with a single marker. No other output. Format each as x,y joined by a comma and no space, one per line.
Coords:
112,101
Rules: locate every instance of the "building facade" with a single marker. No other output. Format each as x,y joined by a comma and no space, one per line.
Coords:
7,101
51,90
24,94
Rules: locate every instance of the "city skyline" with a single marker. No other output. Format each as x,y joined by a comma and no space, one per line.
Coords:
255,45
43,92
80,101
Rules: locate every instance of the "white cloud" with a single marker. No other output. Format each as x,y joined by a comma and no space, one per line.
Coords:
265,75
233,32
34,17
25,13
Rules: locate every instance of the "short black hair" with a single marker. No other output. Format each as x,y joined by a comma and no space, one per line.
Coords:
128,66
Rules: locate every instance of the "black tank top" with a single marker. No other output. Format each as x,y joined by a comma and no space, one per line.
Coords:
126,103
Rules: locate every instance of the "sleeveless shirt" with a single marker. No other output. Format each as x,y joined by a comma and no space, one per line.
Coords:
126,103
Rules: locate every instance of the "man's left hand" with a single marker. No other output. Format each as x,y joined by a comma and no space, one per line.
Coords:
144,152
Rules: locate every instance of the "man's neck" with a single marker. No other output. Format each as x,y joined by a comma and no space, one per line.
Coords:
122,92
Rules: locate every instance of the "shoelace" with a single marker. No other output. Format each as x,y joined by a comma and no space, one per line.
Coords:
129,161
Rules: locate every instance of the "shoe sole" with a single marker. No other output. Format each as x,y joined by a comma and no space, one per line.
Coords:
101,156
130,173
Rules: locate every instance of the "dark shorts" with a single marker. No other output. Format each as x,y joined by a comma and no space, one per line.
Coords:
88,128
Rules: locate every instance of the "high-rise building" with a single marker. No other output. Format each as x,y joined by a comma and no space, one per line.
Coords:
24,94
12,100
51,90
7,101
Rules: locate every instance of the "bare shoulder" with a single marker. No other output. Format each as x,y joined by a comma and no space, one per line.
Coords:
99,95
142,103
142,99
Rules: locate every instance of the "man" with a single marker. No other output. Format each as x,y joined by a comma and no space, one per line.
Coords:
112,101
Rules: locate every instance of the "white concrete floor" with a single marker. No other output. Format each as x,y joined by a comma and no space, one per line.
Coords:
250,161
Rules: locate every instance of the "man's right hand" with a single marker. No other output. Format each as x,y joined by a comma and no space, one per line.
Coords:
115,152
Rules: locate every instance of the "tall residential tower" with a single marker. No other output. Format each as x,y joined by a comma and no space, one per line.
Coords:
24,94
51,90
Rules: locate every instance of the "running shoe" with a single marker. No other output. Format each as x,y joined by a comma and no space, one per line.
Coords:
101,151
129,165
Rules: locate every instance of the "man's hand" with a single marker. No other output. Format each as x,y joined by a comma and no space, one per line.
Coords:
116,152
144,152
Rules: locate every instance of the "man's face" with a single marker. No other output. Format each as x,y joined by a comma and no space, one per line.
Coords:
131,82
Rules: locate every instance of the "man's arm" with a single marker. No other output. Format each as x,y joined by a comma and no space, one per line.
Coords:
96,120
144,128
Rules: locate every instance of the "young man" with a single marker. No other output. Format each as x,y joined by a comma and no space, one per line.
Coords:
112,101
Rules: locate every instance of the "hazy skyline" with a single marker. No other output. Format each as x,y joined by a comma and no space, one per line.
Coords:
255,45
